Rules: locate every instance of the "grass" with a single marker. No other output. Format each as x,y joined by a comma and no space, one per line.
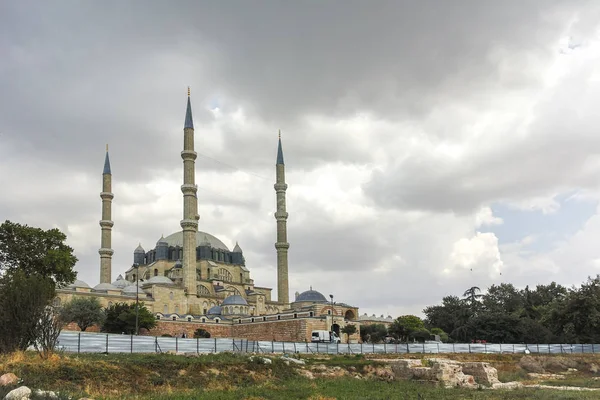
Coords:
232,376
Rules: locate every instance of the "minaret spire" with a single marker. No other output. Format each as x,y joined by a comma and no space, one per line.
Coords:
106,223
281,216
189,223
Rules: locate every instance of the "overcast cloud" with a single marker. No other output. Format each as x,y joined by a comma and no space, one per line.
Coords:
411,132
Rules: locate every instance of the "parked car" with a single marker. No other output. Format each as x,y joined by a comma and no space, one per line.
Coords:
324,337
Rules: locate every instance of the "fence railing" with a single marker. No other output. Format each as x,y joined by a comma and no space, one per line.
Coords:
84,342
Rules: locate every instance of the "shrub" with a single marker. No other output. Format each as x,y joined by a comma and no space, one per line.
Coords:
201,333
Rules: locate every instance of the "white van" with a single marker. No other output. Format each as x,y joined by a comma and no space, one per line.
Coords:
324,337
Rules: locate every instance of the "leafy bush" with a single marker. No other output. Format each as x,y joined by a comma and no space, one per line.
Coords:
201,333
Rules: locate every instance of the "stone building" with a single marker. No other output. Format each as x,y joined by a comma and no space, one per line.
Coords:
193,277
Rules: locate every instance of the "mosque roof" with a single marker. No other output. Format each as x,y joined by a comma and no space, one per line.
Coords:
237,248
139,249
78,284
121,283
105,287
236,299
214,310
311,295
176,239
373,317
158,279
132,289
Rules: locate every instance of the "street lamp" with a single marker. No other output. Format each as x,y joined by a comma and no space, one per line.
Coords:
332,312
137,288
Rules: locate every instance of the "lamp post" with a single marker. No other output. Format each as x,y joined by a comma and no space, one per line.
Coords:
137,288
332,312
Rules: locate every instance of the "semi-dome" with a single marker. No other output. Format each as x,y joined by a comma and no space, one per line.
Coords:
105,287
158,279
121,283
214,310
132,289
79,284
176,239
311,295
235,300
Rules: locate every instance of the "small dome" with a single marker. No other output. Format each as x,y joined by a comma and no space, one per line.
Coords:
162,240
215,310
139,249
132,290
312,295
105,287
237,248
235,300
158,279
121,283
178,264
78,284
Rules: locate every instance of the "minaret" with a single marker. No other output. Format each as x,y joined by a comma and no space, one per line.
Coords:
189,223
282,245
106,223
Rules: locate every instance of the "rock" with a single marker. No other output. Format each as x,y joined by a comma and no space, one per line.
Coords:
305,373
9,379
572,370
264,360
20,393
182,372
447,372
594,368
531,364
319,367
483,373
545,377
385,374
46,394
293,360
507,385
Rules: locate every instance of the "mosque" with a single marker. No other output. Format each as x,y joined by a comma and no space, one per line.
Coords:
191,279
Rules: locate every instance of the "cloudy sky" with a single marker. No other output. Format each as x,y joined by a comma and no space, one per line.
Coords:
430,146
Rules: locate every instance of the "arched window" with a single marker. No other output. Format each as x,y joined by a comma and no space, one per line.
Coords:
166,309
225,275
189,319
204,319
171,296
174,318
241,277
133,278
203,290
155,272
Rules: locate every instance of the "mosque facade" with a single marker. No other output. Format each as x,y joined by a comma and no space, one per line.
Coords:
191,279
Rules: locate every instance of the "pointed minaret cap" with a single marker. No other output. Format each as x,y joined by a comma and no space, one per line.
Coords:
279,151
237,248
189,122
140,249
106,163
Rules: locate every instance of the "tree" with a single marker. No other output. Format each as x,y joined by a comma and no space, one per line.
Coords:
120,318
403,326
374,333
84,311
201,333
23,300
473,295
437,331
349,330
35,251
49,327
503,298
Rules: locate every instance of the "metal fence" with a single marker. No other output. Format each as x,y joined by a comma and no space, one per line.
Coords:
83,342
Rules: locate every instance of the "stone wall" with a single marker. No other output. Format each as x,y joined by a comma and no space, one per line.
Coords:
176,328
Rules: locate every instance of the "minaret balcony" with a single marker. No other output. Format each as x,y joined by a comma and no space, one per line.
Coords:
189,189
280,186
282,245
281,215
104,252
105,223
189,224
107,196
189,155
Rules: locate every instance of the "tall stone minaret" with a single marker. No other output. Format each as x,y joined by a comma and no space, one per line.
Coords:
106,223
189,223
282,245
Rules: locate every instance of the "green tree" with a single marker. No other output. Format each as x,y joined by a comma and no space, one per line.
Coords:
84,311
472,295
374,333
35,251
439,332
201,333
120,318
23,300
349,330
405,325
452,314
503,298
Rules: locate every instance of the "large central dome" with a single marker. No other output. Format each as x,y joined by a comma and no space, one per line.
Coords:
176,239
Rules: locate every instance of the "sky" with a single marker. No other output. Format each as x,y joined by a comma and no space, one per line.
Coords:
430,146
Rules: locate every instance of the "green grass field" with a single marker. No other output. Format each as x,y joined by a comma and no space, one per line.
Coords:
230,376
